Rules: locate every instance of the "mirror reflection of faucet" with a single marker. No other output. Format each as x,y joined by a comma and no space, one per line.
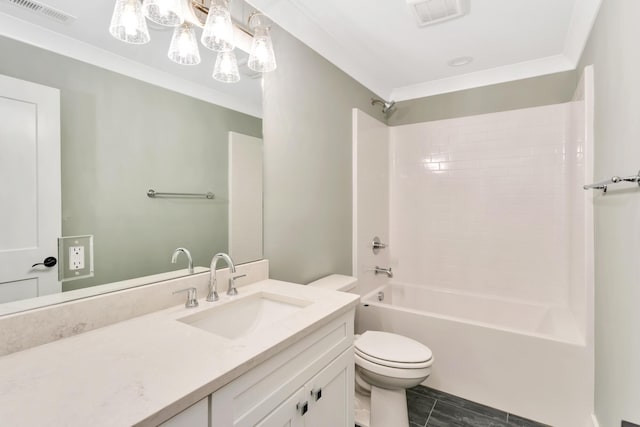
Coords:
186,252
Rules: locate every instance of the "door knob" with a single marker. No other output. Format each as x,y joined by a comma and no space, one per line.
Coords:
49,261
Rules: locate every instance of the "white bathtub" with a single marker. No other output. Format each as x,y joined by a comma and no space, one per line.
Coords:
523,358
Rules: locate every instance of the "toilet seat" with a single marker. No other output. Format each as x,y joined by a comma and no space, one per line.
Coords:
389,371
392,351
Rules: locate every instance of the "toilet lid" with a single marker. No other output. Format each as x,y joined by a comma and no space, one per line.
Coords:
390,347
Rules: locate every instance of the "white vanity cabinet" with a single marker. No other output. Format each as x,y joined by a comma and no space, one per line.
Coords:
196,415
323,401
308,384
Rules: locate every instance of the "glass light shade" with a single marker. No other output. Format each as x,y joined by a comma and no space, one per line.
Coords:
164,12
217,34
262,57
128,24
226,68
184,46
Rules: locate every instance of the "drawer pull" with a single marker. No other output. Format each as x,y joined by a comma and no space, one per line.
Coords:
302,407
316,393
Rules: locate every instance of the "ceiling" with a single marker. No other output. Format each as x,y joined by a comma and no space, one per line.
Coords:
378,43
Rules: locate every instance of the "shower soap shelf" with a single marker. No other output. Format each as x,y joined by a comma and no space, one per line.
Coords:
603,185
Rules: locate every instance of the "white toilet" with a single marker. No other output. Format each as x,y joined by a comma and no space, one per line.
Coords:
386,365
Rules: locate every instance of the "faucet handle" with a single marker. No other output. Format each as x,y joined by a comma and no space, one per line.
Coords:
232,284
192,297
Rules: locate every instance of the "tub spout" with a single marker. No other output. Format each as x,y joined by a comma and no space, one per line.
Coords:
380,270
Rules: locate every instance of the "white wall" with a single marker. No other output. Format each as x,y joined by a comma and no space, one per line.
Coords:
370,199
479,204
613,50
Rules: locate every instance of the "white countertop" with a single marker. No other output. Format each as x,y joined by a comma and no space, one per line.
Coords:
62,297
147,369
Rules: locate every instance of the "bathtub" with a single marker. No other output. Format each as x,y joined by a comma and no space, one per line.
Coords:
526,359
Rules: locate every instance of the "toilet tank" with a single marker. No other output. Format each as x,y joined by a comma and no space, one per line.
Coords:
336,282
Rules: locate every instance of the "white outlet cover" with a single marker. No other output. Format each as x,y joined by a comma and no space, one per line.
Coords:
76,257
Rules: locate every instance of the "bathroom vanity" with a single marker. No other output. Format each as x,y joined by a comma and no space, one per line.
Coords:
276,353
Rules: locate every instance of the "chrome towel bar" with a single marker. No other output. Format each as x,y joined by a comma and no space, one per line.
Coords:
603,185
153,194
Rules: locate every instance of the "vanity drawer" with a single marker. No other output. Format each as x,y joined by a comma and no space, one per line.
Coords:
249,398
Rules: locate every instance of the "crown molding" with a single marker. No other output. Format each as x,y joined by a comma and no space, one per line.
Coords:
522,70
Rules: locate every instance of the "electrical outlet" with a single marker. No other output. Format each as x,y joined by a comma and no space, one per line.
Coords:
76,257
75,254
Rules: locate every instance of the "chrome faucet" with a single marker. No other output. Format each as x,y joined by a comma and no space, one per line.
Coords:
380,270
185,251
213,283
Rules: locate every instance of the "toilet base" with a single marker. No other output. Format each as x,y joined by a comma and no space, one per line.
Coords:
362,415
388,408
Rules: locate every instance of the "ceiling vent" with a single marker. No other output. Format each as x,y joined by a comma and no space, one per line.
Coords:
431,12
42,9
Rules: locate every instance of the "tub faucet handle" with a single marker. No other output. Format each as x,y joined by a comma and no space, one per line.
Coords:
376,245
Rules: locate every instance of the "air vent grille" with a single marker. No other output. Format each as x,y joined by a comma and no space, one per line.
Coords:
431,12
42,9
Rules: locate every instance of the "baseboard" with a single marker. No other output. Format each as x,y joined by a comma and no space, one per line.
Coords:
594,421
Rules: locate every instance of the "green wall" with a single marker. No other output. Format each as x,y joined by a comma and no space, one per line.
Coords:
533,92
307,162
612,49
121,137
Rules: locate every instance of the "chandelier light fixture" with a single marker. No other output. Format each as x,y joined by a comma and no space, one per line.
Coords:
184,45
219,32
164,12
262,57
226,68
128,24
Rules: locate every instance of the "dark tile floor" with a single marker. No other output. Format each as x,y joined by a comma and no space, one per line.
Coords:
433,408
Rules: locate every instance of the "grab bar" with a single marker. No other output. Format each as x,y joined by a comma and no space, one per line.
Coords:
153,194
603,185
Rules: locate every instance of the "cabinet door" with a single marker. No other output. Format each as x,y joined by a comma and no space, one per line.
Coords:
196,415
254,395
289,413
331,394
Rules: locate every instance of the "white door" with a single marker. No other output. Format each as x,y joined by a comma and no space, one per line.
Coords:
29,188
245,198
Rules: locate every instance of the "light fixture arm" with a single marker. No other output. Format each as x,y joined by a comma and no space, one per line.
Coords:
197,10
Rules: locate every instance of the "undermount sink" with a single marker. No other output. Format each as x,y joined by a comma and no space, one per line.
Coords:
245,315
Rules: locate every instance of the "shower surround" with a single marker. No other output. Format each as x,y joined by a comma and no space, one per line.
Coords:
485,215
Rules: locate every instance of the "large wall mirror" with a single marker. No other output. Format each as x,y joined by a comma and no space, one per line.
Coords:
119,137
